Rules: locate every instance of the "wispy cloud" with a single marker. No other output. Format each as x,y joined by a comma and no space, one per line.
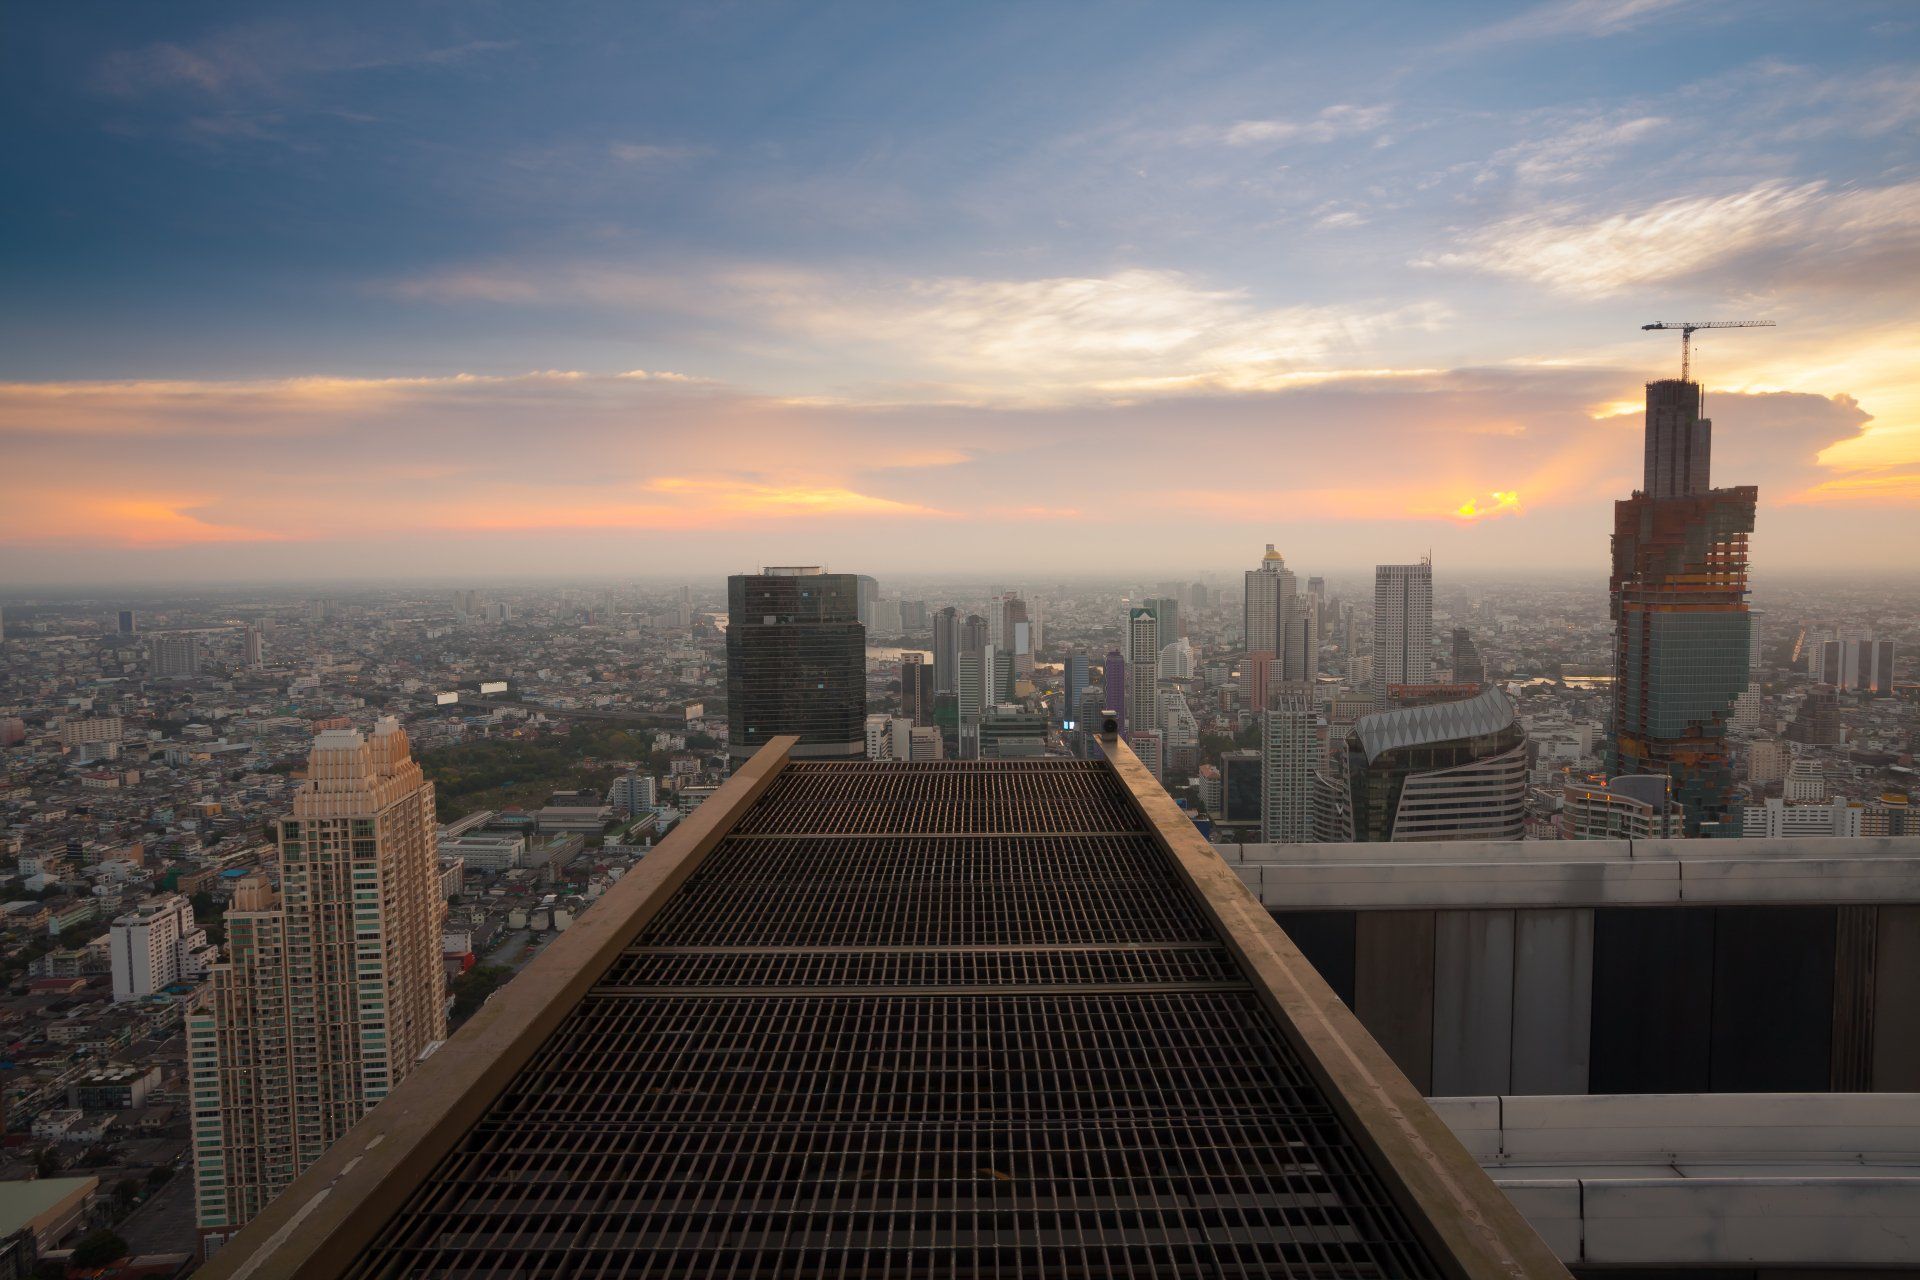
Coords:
1576,148
1342,120
1570,250
265,59
1570,19
1134,332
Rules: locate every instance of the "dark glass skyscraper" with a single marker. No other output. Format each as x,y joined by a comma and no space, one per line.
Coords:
796,662
1682,633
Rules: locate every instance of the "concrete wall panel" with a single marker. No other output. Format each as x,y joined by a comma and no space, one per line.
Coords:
1652,999
1552,1000
1393,987
1861,1222
1896,1004
1472,1002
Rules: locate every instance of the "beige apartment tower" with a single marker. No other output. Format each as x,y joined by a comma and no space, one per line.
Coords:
332,987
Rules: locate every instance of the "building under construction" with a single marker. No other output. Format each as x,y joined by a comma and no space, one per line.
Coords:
1682,632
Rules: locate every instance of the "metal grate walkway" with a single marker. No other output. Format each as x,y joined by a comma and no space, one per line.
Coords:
948,1020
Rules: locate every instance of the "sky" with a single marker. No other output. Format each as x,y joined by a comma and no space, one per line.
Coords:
459,289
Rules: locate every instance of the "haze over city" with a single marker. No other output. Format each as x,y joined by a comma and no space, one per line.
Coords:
353,291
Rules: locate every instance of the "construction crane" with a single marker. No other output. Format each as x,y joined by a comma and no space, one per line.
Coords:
1687,329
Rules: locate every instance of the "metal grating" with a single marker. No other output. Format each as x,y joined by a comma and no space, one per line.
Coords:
936,1044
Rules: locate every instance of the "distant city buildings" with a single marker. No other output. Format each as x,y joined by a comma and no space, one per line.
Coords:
796,662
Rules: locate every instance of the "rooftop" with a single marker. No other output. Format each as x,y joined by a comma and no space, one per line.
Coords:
852,1018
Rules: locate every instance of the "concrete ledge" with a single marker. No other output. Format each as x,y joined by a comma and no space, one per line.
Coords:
318,1226
1695,1180
1588,873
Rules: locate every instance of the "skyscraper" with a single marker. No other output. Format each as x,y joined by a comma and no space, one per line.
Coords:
1073,678
946,649
250,646
916,688
976,694
1467,665
796,662
129,622
1143,669
332,988
1682,633
1402,626
1289,749
1114,676
1267,587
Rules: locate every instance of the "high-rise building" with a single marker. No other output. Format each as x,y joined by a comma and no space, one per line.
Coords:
1268,589
1114,675
129,622
1241,788
1440,771
1402,626
1167,610
157,944
633,794
1861,665
332,988
683,608
946,649
1074,673
916,687
1679,442
1468,668
1289,751
1682,633
865,594
1176,660
1817,722
976,695
796,662
251,650
1143,669
173,655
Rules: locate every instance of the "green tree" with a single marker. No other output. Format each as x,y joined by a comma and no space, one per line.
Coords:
471,989
98,1249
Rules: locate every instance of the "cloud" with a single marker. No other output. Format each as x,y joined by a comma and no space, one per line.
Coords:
1134,332
266,59
1570,19
380,472
1802,227
1577,148
1342,120
646,152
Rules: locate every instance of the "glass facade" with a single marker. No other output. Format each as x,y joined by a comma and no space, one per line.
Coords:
796,663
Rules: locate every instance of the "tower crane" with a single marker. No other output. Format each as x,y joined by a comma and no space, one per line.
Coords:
1687,329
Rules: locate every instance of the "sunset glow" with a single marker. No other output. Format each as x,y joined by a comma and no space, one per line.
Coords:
1204,292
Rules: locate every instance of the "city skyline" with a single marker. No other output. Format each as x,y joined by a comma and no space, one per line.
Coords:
917,291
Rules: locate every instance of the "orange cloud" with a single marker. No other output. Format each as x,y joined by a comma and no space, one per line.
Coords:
1498,501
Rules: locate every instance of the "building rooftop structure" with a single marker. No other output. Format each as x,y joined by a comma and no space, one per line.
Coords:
1484,713
880,1019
